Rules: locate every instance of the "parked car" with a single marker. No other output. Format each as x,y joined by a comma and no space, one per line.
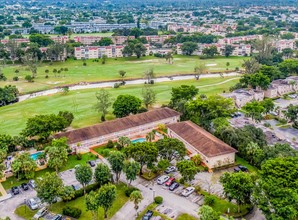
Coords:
148,215
240,168
91,163
161,180
174,186
57,217
15,190
32,183
24,186
41,212
170,169
33,203
189,190
170,181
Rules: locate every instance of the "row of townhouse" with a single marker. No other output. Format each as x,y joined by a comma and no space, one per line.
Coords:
239,49
236,40
284,44
18,41
276,89
207,29
286,32
93,52
88,40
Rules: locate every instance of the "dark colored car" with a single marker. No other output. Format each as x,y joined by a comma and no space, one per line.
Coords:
57,217
240,168
174,186
24,186
148,215
32,184
170,181
15,190
91,163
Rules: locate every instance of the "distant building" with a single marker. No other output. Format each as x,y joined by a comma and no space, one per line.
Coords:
214,152
243,96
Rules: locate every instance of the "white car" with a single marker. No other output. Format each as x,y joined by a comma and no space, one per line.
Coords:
161,180
189,190
42,212
33,203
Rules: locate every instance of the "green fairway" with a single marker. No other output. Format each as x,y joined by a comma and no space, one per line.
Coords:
95,71
13,117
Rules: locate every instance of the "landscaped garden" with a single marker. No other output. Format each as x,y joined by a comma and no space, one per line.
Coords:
95,71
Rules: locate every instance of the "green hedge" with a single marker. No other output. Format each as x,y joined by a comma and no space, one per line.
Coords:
72,212
91,187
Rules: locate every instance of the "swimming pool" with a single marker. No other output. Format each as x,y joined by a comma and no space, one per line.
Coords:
139,140
35,155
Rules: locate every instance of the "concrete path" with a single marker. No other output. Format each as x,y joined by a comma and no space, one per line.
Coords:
128,82
2,190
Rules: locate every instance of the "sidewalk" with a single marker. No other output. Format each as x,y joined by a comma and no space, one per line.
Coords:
2,190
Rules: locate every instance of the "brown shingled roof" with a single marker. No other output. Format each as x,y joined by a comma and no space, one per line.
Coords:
117,125
200,139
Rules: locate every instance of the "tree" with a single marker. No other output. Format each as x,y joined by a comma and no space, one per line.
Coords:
292,112
207,213
197,159
68,116
125,105
43,125
238,186
150,136
61,30
124,141
116,159
68,193
188,48
228,50
55,52
105,41
287,53
31,61
268,105
102,174
210,51
255,80
49,188
122,74
271,71
41,40
277,188
254,110
199,70
169,58
136,197
149,96
251,65
104,59
104,102
6,143
168,148
149,75
163,164
139,49
187,169
131,169
105,197
83,175
57,153
92,204
3,155
144,153
265,47
24,166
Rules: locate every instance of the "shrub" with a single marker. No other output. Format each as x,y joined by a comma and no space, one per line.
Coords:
105,152
72,211
267,125
209,200
206,169
236,68
117,85
198,189
47,76
16,71
119,146
91,187
110,144
84,64
29,78
142,109
129,190
158,200
15,78
79,156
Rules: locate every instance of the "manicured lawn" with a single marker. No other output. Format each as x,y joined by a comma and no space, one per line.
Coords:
186,217
25,212
243,162
72,161
95,71
80,203
81,103
155,213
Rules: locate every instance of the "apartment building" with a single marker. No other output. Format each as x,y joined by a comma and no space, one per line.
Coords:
88,40
284,44
60,39
93,52
243,96
240,39
17,41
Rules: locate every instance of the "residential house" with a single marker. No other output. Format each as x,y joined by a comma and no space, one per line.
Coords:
243,96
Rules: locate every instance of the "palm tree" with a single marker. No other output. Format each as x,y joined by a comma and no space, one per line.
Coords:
136,197
124,141
150,136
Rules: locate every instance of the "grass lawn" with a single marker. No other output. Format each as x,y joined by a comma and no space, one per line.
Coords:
72,161
81,103
243,162
155,213
186,217
95,71
80,203
25,212
222,206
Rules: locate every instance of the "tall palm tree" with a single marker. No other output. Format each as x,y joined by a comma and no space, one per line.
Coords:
136,197
150,136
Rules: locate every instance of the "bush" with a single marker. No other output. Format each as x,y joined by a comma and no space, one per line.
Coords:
29,78
129,190
79,156
89,188
110,144
84,64
142,109
47,76
117,85
236,68
15,78
206,169
119,146
267,125
16,71
209,200
158,200
72,212
105,152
